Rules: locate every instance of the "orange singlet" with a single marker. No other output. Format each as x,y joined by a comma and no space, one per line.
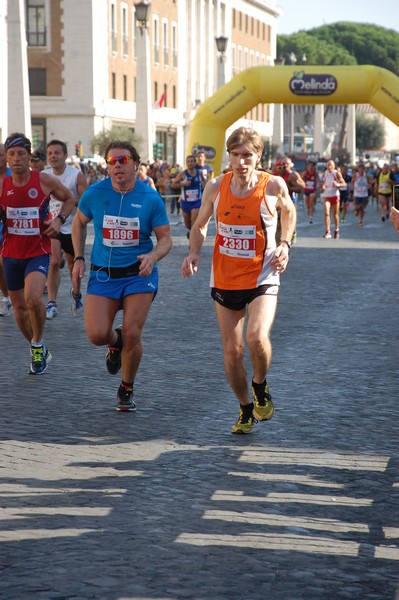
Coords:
245,237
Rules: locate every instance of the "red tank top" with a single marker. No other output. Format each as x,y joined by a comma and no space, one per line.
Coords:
310,180
26,209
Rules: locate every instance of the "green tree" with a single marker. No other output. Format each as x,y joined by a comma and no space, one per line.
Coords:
100,141
343,43
370,133
312,50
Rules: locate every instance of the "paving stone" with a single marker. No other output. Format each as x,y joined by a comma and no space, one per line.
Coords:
166,503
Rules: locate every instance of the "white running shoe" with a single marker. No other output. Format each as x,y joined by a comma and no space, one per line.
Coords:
51,310
76,304
5,307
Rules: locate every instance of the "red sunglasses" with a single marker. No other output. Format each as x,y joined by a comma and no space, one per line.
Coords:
122,160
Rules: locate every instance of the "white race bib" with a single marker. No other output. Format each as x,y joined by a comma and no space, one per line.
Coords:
121,231
237,240
23,221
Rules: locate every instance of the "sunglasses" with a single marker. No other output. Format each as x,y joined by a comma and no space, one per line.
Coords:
281,167
122,160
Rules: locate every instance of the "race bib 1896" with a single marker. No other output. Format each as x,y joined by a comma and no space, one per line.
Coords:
121,231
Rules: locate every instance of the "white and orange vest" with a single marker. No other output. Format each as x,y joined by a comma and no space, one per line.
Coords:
245,239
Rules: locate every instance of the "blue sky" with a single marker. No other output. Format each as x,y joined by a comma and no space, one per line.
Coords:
313,13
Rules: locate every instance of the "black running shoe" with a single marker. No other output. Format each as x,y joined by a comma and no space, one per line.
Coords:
125,402
41,356
113,358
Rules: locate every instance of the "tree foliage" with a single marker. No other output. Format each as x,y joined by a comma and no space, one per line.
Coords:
343,43
100,141
369,133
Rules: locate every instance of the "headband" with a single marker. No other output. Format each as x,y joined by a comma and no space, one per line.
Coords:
17,141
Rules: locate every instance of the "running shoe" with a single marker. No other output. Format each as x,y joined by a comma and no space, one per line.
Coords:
76,304
5,307
244,422
51,310
311,220
343,220
336,234
263,404
327,235
113,358
41,356
125,402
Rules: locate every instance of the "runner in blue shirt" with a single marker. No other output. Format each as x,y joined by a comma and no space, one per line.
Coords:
123,271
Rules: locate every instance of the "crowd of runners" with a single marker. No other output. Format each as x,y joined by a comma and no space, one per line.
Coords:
46,205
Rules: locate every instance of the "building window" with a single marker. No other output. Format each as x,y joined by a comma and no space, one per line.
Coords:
165,91
174,46
155,33
114,46
37,82
36,22
134,33
233,59
240,21
39,134
113,91
125,36
263,31
165,43
125,87
174,96
155,91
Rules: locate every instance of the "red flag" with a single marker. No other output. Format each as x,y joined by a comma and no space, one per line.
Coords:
160,102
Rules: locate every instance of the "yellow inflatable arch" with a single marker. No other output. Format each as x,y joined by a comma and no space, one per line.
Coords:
289,85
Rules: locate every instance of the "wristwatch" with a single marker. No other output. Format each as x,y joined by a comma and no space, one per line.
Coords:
61,218
287,243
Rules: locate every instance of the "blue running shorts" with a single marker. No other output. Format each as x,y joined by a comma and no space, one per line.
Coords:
100,284
16,269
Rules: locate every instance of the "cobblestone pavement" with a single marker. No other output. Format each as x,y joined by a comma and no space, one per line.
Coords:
166,503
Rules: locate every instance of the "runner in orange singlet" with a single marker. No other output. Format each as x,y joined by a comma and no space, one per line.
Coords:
246,266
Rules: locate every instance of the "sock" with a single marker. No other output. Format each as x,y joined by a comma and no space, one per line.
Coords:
128,385
37,344
77,296
247,407
259,387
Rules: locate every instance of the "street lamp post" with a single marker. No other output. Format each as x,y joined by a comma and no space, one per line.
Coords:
143,127
293,60
221,44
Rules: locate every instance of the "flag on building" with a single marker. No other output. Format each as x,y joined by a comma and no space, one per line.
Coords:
160,102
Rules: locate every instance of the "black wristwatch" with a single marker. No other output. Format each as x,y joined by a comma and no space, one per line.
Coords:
61,218
287,243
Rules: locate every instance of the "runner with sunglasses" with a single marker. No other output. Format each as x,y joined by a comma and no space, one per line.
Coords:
123,271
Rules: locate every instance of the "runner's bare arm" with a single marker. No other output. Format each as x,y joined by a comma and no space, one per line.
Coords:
79,232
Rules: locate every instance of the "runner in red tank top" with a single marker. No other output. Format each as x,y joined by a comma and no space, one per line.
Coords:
24,204
246,266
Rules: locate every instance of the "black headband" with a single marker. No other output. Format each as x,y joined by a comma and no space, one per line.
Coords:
17,141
